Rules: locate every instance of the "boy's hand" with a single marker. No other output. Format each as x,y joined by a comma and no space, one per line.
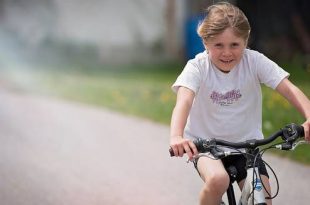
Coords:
179,145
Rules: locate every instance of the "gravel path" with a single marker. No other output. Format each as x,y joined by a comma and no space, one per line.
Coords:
56,152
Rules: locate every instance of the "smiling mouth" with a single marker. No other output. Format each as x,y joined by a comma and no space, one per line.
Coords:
226,61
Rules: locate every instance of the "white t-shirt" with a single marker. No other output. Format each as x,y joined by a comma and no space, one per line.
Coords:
228,105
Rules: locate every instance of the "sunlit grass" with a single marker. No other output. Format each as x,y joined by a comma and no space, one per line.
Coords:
144,90
137,90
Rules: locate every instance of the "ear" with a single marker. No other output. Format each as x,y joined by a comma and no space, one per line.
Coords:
206,47
204,43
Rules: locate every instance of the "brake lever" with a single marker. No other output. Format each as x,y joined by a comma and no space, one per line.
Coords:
296,144
206,154
215,155
291,146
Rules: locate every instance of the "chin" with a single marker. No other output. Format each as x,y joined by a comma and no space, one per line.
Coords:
227,68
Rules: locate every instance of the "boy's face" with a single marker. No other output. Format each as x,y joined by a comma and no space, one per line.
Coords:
225,50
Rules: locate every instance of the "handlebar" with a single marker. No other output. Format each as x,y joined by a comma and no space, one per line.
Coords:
289,134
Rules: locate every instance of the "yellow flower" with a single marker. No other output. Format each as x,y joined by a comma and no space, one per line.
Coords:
165,97
118,97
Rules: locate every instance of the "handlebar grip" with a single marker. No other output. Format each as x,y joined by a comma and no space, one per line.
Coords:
172,153
198,143
292,132
300,130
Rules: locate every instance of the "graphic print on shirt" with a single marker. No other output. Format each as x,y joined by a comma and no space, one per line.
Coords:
227,98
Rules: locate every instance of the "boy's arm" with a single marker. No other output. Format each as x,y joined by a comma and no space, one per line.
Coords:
298,99
180,113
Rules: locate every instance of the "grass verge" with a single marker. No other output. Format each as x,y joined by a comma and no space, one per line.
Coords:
144,90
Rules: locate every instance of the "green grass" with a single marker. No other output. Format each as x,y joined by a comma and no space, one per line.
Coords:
278,112
144,90
141,90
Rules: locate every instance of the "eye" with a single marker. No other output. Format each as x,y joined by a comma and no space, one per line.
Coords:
218,45
235,45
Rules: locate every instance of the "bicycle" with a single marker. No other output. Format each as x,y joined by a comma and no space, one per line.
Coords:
253,189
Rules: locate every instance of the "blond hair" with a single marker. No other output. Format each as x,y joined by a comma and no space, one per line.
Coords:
221,16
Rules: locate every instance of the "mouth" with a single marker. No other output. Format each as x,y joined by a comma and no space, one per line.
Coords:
226,61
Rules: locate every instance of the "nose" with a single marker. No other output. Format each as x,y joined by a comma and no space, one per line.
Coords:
226,52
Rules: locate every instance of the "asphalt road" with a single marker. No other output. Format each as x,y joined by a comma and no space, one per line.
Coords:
55,152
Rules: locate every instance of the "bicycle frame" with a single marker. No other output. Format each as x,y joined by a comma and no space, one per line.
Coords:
249,185
252,182
246,197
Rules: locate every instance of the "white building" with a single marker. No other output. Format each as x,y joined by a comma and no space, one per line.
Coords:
122,30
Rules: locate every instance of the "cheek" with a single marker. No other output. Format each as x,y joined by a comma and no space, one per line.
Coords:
239,54
213,54
212,57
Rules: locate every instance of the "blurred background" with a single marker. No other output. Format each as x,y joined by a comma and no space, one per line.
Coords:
124,55
140,31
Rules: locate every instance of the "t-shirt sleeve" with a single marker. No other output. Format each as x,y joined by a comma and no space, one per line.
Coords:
189,78
269,73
